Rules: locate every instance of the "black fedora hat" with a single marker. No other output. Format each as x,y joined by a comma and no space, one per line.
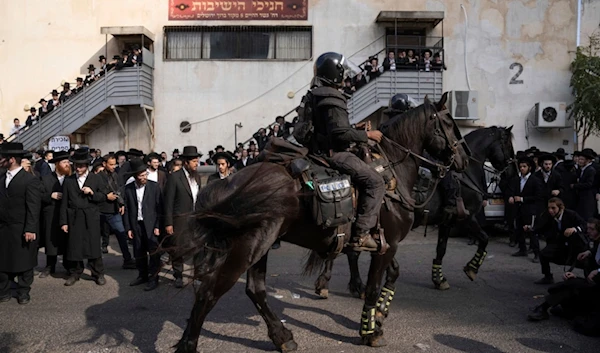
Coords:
32,109
223,155
528,160
91,67
101,57
135,152
547,157
560,153
151,156
54,92
588,153
59,156
81,156
220,147
176,151
116,57
13,149
137,166
190,152
42,100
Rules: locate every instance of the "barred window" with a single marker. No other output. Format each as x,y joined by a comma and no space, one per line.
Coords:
238,42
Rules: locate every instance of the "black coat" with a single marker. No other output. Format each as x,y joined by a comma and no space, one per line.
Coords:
554,183
19,213
586,193
151,210
213,177
179,204
52,237
532,194
110,183
80,213
568,175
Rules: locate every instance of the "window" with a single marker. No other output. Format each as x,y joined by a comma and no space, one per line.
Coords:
238,42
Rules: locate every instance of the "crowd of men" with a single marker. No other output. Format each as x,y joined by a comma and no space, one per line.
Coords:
69,202
556,199
128,58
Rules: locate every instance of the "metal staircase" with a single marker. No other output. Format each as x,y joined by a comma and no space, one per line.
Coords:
377,93
130,86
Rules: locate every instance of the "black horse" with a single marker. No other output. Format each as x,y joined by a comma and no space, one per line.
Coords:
239,218
493,144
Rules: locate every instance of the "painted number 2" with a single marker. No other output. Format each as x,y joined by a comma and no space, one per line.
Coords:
513,80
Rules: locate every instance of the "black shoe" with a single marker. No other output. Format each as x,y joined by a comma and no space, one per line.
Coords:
71,281
545,280
538,314
138,281
536,259
152,285
520,253
47,271
5,299
276,245
105,249
100,280
512,244
178,282
129,265
25,299
472,241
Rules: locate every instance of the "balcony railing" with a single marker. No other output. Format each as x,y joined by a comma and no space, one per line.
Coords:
128,86
378,92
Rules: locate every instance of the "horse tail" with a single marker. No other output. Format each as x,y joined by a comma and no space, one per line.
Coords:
245,204
314,262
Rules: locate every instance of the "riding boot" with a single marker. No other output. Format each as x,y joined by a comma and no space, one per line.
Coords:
363,242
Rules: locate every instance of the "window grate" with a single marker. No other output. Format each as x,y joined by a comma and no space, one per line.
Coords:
238,43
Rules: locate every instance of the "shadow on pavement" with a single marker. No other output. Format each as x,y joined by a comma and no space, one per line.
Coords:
465,344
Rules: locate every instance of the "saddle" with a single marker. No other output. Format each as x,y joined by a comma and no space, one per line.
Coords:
330,196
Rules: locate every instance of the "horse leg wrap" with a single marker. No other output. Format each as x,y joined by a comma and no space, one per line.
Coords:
367,321
476,261
384,301
436,273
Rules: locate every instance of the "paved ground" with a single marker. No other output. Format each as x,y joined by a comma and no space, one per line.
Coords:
487,316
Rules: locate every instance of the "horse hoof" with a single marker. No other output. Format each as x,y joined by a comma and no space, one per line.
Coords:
375,341
471,274
442,286
357,292
323,293
289,346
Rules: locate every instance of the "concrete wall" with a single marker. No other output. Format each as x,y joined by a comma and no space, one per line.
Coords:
43,44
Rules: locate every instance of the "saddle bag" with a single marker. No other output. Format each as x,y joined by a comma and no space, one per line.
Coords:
332,203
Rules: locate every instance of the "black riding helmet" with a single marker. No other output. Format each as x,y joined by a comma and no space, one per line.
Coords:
330,67
400,102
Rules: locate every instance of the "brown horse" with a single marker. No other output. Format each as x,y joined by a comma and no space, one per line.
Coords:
239,218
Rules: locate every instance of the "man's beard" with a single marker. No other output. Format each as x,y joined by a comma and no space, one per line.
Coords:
63,170
193,172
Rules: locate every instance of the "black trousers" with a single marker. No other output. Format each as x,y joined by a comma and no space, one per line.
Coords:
370,185
75,268
449,186
25,279
576,295
520,234
147,259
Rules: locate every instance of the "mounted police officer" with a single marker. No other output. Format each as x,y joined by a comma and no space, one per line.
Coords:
332,137
399,104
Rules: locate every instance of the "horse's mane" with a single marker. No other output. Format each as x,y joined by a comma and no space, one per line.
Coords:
404,127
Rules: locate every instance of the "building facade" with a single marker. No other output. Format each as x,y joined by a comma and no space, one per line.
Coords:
227,71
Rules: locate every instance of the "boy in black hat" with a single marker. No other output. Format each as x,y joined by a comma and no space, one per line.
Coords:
181,195
585,188
55,102
78,85
66,92
552,181
527,192
223,161
43,109
20,203
79,214
32,118
53,238
91,76
143,208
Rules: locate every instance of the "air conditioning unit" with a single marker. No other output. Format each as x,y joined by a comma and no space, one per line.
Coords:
463,105
551,114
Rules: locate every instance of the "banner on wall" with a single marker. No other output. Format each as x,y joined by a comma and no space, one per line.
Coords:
200,10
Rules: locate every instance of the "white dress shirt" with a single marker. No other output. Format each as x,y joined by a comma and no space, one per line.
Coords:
10,174
193,185
81,179
139,193
61,178
152,175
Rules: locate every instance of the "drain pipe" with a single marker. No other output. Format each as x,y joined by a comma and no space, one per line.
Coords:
465,44
577,43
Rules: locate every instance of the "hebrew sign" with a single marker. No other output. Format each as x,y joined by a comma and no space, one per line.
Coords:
199,10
